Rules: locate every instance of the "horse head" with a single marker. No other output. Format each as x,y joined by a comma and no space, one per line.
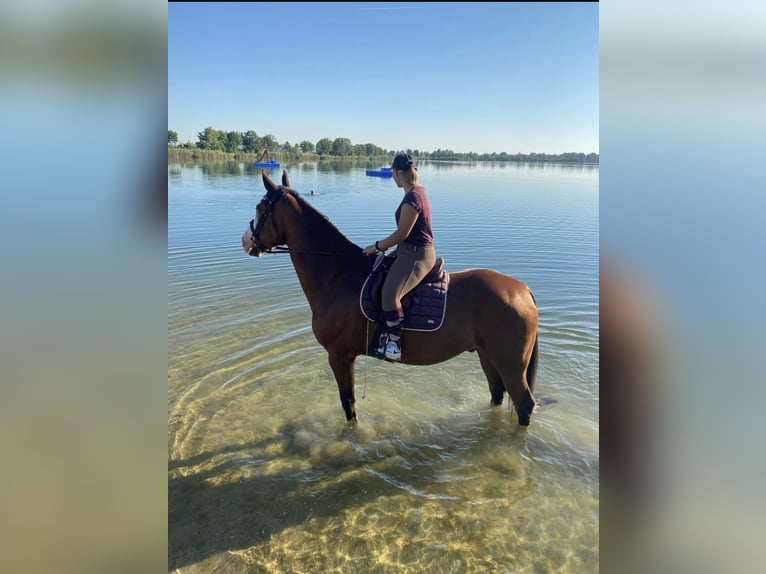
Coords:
260,236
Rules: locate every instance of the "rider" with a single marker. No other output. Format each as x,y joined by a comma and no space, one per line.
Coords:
265,155
415,253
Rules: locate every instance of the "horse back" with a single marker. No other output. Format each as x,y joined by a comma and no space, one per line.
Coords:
488,292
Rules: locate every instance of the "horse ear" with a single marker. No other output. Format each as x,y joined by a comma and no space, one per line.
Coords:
285,179
267,183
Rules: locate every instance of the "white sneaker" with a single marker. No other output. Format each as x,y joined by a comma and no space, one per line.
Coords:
393,351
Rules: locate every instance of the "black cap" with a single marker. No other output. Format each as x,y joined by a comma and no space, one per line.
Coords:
402,162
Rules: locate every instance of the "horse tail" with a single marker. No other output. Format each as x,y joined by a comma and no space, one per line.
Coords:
532,366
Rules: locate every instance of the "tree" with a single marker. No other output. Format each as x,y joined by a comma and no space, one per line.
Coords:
287,147
209,139
270,142
172,137
324,146
251,142
233,141
218,140
342,147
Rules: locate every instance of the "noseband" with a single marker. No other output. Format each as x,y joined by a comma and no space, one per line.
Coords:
258,247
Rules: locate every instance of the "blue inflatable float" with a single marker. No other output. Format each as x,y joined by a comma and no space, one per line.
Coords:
382,172
270,164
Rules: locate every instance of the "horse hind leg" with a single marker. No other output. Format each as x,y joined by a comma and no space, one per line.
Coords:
528,377
513,374
496,386
516,362
516,384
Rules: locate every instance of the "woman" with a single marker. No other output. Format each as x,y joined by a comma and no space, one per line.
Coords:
264,157
415,253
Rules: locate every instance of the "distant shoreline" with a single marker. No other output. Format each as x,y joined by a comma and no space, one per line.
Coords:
186,154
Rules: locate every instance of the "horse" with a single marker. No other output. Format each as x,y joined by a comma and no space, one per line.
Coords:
487,312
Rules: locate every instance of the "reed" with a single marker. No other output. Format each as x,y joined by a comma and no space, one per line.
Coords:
186,154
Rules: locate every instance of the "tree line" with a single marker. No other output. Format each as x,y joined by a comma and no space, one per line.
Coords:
250,142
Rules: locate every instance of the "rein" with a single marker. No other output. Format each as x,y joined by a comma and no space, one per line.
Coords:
279,249
256,226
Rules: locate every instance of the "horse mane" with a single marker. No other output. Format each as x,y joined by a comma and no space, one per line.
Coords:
321,229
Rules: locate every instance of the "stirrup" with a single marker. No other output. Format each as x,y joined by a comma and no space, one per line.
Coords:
380,348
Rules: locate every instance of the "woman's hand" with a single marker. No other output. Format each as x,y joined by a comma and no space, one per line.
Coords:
370,250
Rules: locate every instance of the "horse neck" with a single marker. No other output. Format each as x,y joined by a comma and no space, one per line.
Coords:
328,265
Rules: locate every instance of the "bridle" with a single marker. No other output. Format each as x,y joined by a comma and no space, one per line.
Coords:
258,248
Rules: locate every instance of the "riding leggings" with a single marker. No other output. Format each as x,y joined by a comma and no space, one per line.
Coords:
412,263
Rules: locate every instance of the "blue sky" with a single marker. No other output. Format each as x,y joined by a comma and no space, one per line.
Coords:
470,77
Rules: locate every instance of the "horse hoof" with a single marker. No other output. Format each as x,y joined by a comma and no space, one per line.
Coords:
526,408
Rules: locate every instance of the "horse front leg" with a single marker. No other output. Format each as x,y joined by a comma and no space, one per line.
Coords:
343,369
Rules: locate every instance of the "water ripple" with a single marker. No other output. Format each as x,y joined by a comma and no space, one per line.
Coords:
264,472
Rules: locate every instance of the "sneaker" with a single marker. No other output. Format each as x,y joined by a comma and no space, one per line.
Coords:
393,351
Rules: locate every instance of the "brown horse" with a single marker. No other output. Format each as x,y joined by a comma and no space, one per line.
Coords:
487,312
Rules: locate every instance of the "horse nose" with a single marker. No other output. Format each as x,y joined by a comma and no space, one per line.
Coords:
247,243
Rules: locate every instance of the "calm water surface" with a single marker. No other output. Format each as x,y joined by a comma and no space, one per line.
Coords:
264,473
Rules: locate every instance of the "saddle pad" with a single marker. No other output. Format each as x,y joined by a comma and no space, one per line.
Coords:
427,304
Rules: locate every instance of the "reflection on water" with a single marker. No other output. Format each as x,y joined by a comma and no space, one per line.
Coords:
265,475
338,166
221,168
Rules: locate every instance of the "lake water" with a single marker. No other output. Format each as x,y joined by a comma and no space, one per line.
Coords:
264,473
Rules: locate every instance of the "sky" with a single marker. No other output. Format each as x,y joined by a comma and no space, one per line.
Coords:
468,77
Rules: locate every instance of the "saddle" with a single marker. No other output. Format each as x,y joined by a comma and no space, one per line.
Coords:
424,306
